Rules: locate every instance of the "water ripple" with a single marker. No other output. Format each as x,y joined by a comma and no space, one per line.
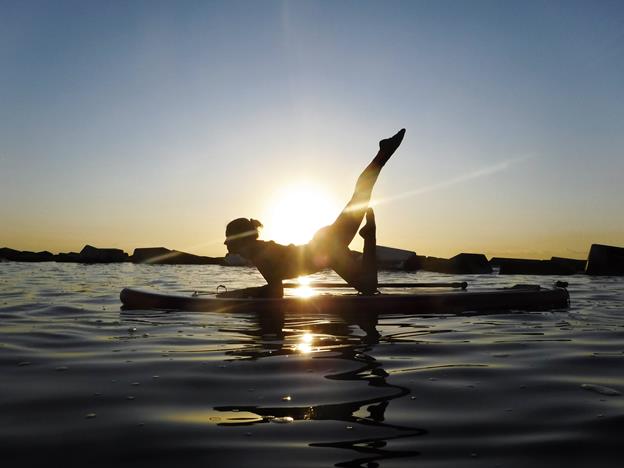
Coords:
86,383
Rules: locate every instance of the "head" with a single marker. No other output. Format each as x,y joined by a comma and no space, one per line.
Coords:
240,234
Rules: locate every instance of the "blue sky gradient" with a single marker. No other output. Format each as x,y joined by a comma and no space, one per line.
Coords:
127,124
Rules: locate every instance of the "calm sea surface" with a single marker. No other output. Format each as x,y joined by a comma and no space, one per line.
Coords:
85,383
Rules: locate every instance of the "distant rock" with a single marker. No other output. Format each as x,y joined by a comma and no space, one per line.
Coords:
605,260
389,258
471,263
25,256
521,266
70,257
437,265
90,254
45,256
149,254
461,264
392,259
414,263
164,256
577,265
9,254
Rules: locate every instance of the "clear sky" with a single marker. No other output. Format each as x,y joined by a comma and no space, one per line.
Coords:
136,124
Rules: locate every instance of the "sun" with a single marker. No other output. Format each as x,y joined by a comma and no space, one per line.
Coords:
294,213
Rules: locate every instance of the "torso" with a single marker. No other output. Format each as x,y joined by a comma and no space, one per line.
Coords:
277,262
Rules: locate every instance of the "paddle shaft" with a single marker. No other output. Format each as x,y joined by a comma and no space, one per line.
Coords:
462,285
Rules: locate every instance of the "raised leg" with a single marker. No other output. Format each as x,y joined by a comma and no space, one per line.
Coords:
333,241
346,225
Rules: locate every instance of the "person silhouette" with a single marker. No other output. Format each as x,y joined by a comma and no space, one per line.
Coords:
329,247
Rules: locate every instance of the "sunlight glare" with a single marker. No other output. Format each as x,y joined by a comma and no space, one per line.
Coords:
304,280
304,289
305,344
480,172
296,212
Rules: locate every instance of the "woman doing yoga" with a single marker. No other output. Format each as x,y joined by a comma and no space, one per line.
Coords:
329,248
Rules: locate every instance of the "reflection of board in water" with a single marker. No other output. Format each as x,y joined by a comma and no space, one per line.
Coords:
372,448
521,297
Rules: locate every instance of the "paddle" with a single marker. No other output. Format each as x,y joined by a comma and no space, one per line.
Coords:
462,285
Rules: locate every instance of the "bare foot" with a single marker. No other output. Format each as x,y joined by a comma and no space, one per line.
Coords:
369,230
390,145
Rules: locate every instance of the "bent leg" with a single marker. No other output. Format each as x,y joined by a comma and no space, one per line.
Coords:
369,256
362,275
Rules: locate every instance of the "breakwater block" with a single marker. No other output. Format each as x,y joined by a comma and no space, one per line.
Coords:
149,254
90,254
390,258
471,263
577,265
521,266
437,264
68,257
25,256
164,256
414,263
461,264
605,260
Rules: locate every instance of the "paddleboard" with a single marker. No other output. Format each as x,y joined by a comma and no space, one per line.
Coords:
527,297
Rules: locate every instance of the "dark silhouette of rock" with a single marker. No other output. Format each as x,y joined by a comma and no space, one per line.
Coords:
414,263
25,256
90,254
44,256
69,257
9,254
605,260
149,254
471,263
389,258
521,266
164,256
577,265
461,264
438,265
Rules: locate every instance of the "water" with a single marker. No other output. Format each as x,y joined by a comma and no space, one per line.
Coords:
84,383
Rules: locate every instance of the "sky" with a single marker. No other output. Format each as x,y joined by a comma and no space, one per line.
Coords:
141,124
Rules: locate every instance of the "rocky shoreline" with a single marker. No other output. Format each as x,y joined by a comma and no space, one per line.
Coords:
601,260
90,254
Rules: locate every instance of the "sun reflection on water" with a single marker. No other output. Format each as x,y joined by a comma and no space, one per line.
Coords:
222,418
303,289
304,345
